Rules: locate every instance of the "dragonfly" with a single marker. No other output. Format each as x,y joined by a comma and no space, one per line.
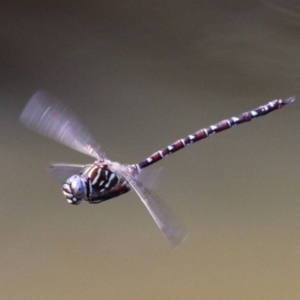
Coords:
104,179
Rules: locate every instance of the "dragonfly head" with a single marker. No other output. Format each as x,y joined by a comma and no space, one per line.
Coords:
74,189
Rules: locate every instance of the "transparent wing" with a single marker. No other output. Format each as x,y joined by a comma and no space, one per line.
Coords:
166,222
47,116
64,171
151,177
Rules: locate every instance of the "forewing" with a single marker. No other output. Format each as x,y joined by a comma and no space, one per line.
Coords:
162,216
47,116
62,172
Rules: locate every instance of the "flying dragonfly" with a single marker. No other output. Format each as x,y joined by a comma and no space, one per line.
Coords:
104,179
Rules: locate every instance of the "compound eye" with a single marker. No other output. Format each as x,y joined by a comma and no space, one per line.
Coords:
77,186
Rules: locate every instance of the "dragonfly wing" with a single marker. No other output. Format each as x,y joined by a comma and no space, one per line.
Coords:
151,177
47,116
166,222
64,171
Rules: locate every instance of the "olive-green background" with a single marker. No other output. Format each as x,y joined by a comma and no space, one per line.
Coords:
141,74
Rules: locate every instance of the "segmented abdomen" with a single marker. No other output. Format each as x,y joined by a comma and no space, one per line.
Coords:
218,127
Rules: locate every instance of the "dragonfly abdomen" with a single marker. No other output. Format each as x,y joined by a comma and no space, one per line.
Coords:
212,129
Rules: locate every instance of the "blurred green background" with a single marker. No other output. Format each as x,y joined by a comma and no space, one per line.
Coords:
141,74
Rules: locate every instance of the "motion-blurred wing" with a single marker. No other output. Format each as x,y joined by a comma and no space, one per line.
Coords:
167,223
47,116
62,172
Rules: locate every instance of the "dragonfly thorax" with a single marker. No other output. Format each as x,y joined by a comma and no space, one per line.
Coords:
103,183
75,189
